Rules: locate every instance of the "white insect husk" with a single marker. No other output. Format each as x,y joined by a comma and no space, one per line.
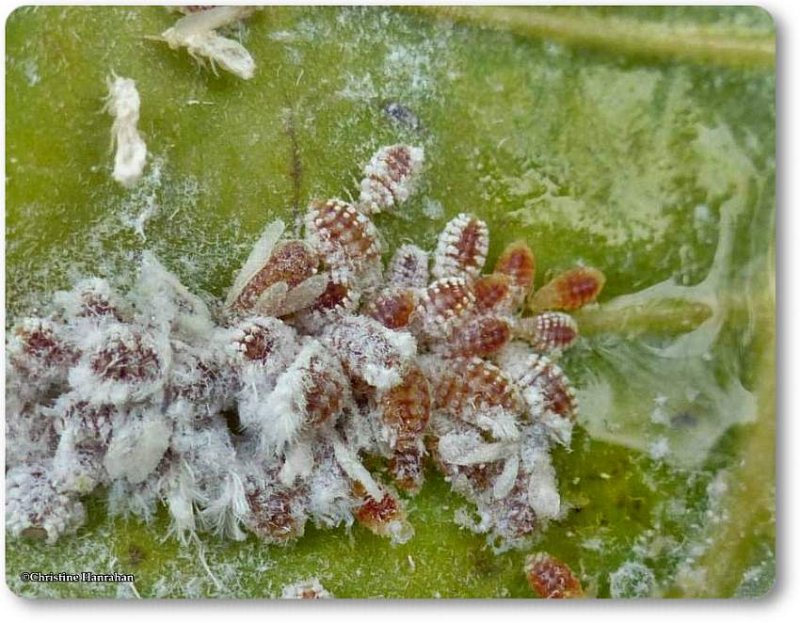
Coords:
355,470
123,103
197,33
211,19
256,260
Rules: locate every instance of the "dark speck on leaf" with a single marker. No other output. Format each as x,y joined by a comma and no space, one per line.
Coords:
684,420
402,115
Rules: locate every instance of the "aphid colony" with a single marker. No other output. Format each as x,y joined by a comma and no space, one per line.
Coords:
316,392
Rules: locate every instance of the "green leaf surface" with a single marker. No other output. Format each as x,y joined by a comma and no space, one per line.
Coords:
654,163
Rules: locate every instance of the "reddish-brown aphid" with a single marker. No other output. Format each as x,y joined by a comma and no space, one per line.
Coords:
38,340
445,301
476,385
406,469
548,332
515,517
393,308
276,517
571,289
126,360
369,351
493,292
325,392
96,303
551,385
406,409
256,342
518,262
482,336
338,295
347,238
461,249
550,578
389,177
290,262
384,518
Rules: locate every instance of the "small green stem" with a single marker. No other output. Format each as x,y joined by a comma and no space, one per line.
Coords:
668,317
620,35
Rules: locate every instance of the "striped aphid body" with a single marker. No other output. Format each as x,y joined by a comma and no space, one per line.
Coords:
390,177
551,578
461,248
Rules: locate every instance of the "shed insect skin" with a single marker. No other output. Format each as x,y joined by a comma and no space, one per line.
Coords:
123,103
196,32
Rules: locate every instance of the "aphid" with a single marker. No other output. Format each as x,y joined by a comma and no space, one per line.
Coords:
406,469
569,290
197,33
203,376
35,509
137,446
305,589
409,267
85,433
385,517
272,274
394,309
91,299
38,353
513,516
518,262
493,292
390,177
31,433
405,410
551,578
310,393
123,103
545,386
291,262
346,238
371,352
264,341
482,336
461,249
340,295
444,303
548,332
275,515
543,496
467,387
119,363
